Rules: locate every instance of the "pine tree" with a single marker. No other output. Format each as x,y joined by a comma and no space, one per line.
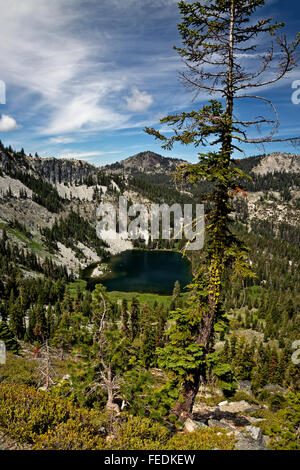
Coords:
16,319
176,295
124,316
134,317
7,336
215,37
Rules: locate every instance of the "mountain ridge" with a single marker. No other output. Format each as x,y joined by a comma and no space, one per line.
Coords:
60,170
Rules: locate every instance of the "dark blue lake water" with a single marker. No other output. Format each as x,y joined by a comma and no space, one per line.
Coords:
147,271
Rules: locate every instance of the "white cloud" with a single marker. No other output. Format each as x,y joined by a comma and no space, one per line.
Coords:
87,155
80,155
61,140
139,101
8,123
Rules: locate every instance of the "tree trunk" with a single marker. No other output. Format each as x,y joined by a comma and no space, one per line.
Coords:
184,408
110,404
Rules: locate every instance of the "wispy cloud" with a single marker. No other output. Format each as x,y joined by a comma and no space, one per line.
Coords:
81,72
80,155
61,140
53,60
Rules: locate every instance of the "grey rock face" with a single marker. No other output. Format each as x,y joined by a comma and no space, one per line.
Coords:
214,423
275,388
245,386
255,433
237,407
250,438
191,425
246,443
52,170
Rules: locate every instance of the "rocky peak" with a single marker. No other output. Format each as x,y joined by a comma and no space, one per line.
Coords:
146,162
278,162
52,170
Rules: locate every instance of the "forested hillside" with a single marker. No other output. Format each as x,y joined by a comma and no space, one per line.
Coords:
51,323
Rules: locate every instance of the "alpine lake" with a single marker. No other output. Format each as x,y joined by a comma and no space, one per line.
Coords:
142,271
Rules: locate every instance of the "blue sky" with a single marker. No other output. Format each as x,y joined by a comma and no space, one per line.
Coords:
84,77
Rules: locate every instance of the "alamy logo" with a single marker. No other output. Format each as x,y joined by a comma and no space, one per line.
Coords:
296,354
296,94
160,221
2,92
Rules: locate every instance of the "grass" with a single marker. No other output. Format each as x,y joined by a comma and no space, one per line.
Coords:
33,244
73,287
143,297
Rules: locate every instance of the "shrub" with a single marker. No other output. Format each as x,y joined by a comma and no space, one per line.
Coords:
26,412
203,439
71,435
138,433
283,426
241,395
18,370
54,423
51,422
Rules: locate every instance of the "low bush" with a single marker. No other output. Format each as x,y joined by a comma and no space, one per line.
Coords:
241,395
137,433
54,423
26,412
283,426
203,439
18,370
71,435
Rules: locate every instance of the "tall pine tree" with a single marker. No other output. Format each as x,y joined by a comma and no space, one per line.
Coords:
216,37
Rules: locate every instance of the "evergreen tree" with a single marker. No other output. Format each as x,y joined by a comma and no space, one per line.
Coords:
7,336
215,35
124,316
16,319
176,295
134,317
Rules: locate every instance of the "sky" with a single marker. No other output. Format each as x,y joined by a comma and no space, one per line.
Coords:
83,78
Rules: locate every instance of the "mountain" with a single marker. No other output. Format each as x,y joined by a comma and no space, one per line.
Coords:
150,163
278,162
145,162
48,205
275,162
48,237
52,170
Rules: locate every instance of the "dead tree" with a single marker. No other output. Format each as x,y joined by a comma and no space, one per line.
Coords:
46,371
106,378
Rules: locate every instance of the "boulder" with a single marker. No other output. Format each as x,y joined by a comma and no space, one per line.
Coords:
214,423
65,377
191,425
246,443
238,407
250,438
275,388
255,420
255,433
245,386
203,410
